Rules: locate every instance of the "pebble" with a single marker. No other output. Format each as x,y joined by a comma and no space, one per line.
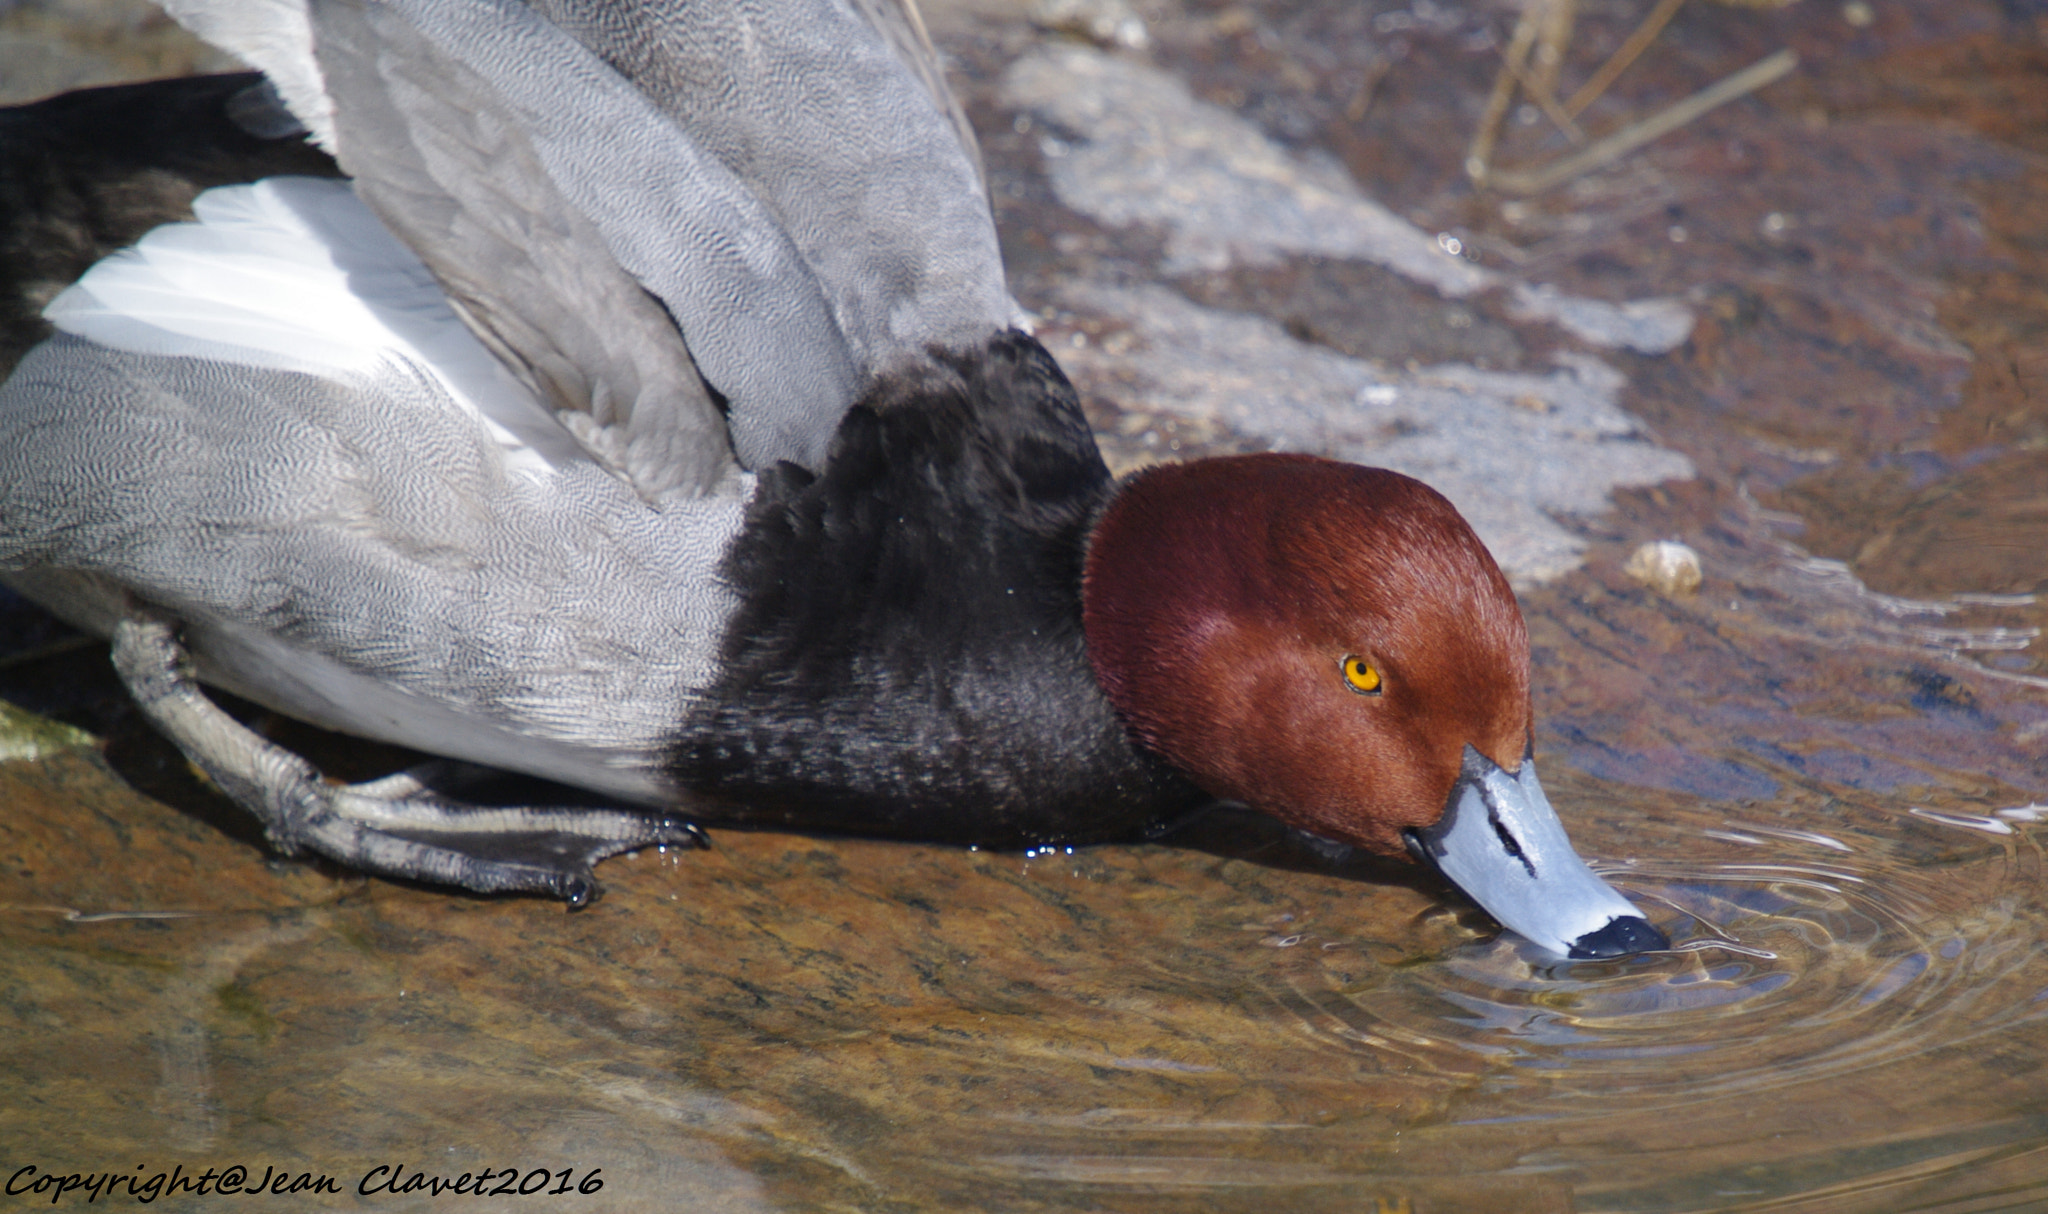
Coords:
1668,567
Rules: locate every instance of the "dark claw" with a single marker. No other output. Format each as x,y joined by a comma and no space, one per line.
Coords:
688,834
580,892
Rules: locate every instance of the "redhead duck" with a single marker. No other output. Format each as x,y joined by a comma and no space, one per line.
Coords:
648,412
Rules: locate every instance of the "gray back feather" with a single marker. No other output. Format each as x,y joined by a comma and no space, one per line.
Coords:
784,183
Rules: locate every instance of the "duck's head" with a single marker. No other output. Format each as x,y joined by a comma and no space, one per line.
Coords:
1332,645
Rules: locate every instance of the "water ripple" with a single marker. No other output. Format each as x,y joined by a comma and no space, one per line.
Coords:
1781,973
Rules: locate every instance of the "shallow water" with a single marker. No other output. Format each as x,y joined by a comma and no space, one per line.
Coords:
1818,772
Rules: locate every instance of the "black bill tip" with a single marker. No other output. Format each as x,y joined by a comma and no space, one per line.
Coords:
1622,937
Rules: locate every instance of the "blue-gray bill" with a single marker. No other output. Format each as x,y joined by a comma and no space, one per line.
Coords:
1501,843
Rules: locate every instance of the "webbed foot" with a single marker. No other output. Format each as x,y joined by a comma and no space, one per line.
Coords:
394,827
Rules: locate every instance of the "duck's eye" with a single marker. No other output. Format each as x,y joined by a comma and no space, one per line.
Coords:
1362,676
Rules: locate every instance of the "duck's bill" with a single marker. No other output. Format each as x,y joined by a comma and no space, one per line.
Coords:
1501,843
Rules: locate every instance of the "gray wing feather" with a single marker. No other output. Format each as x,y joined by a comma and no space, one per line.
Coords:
437,156
902,27
831,112
673,217
785,184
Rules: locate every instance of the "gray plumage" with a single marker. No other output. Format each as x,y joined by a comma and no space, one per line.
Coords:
773,174
391,581
688,237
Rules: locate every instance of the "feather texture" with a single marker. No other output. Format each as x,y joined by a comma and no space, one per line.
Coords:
295,274
379,571
455,451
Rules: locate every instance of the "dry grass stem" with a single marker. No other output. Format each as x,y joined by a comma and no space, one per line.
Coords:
1612,147
1618,62
1480,155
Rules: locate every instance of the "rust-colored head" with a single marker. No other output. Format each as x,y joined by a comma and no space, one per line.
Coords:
1317,640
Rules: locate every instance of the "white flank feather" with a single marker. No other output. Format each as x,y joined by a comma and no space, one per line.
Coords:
296,274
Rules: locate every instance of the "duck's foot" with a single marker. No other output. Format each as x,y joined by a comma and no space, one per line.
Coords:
394,827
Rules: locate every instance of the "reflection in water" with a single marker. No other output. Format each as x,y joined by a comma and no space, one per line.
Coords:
184,1099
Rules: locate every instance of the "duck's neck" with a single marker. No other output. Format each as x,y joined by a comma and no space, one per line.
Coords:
908,659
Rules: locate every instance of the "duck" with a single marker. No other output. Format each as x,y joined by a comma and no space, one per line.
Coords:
641,405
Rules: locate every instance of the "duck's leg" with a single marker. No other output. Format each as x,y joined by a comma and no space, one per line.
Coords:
394,827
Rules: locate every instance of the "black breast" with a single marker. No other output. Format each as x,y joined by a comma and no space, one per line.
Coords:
908,659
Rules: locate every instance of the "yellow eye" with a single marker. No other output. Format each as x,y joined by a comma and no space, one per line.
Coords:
1361,675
